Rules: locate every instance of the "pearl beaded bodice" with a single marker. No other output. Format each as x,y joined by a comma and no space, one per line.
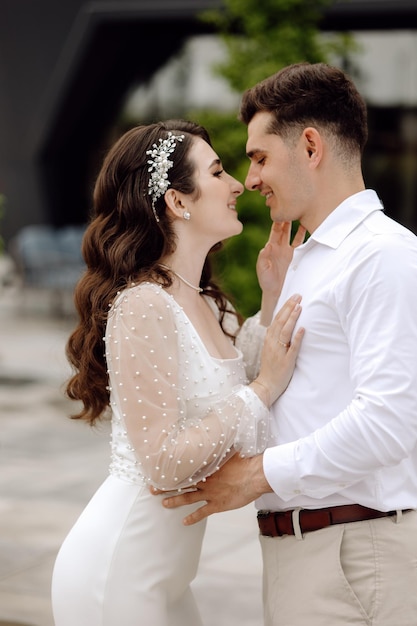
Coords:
177,412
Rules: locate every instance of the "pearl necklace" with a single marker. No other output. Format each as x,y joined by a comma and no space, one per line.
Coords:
184,280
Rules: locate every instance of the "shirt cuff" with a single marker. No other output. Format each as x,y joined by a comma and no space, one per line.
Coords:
279,466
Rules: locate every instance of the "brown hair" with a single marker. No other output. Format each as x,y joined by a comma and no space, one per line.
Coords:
124,243
305,94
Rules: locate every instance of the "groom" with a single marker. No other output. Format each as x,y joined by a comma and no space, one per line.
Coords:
336,491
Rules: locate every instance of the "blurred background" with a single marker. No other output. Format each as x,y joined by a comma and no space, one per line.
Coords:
74,75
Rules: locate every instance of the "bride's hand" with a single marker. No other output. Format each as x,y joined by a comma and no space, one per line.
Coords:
280,351
275,257
272,265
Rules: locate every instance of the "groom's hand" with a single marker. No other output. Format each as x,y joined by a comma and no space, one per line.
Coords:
237,483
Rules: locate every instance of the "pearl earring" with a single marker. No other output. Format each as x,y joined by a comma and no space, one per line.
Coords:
186,215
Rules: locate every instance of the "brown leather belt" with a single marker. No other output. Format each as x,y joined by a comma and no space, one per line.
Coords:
277,524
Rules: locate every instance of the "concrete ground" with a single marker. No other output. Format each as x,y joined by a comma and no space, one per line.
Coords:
51,465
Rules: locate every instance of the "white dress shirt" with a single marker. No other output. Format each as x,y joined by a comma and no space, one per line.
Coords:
345,430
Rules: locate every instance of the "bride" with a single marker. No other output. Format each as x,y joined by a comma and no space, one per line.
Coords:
160,348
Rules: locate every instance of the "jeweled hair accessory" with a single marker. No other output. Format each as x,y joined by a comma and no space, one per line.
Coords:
159,165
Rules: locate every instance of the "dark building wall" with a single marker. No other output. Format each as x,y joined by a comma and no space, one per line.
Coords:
64,69
32,33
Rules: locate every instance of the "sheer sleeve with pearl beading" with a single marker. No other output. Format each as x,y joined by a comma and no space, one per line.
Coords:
182,412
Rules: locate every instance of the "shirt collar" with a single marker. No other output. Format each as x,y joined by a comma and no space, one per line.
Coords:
346,217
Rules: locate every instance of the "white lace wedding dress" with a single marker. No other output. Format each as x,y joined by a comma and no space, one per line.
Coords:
176,413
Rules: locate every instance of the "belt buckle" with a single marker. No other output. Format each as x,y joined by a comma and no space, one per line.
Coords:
275,523
263,513
266,523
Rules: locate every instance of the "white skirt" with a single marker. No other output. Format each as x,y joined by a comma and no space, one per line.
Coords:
127,561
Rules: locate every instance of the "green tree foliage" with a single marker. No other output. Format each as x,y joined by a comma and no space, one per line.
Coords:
260,38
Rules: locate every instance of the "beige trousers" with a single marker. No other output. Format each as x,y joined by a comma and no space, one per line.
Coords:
358,574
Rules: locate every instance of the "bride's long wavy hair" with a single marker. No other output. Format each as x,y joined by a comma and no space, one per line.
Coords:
124,243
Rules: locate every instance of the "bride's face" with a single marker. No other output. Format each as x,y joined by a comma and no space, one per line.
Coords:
213,210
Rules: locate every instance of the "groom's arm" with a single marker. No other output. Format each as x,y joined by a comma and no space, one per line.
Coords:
237,483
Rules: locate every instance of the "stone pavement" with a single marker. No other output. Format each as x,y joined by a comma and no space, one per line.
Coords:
51,465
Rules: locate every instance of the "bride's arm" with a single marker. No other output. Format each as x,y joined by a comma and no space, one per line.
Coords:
272,264
178,440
